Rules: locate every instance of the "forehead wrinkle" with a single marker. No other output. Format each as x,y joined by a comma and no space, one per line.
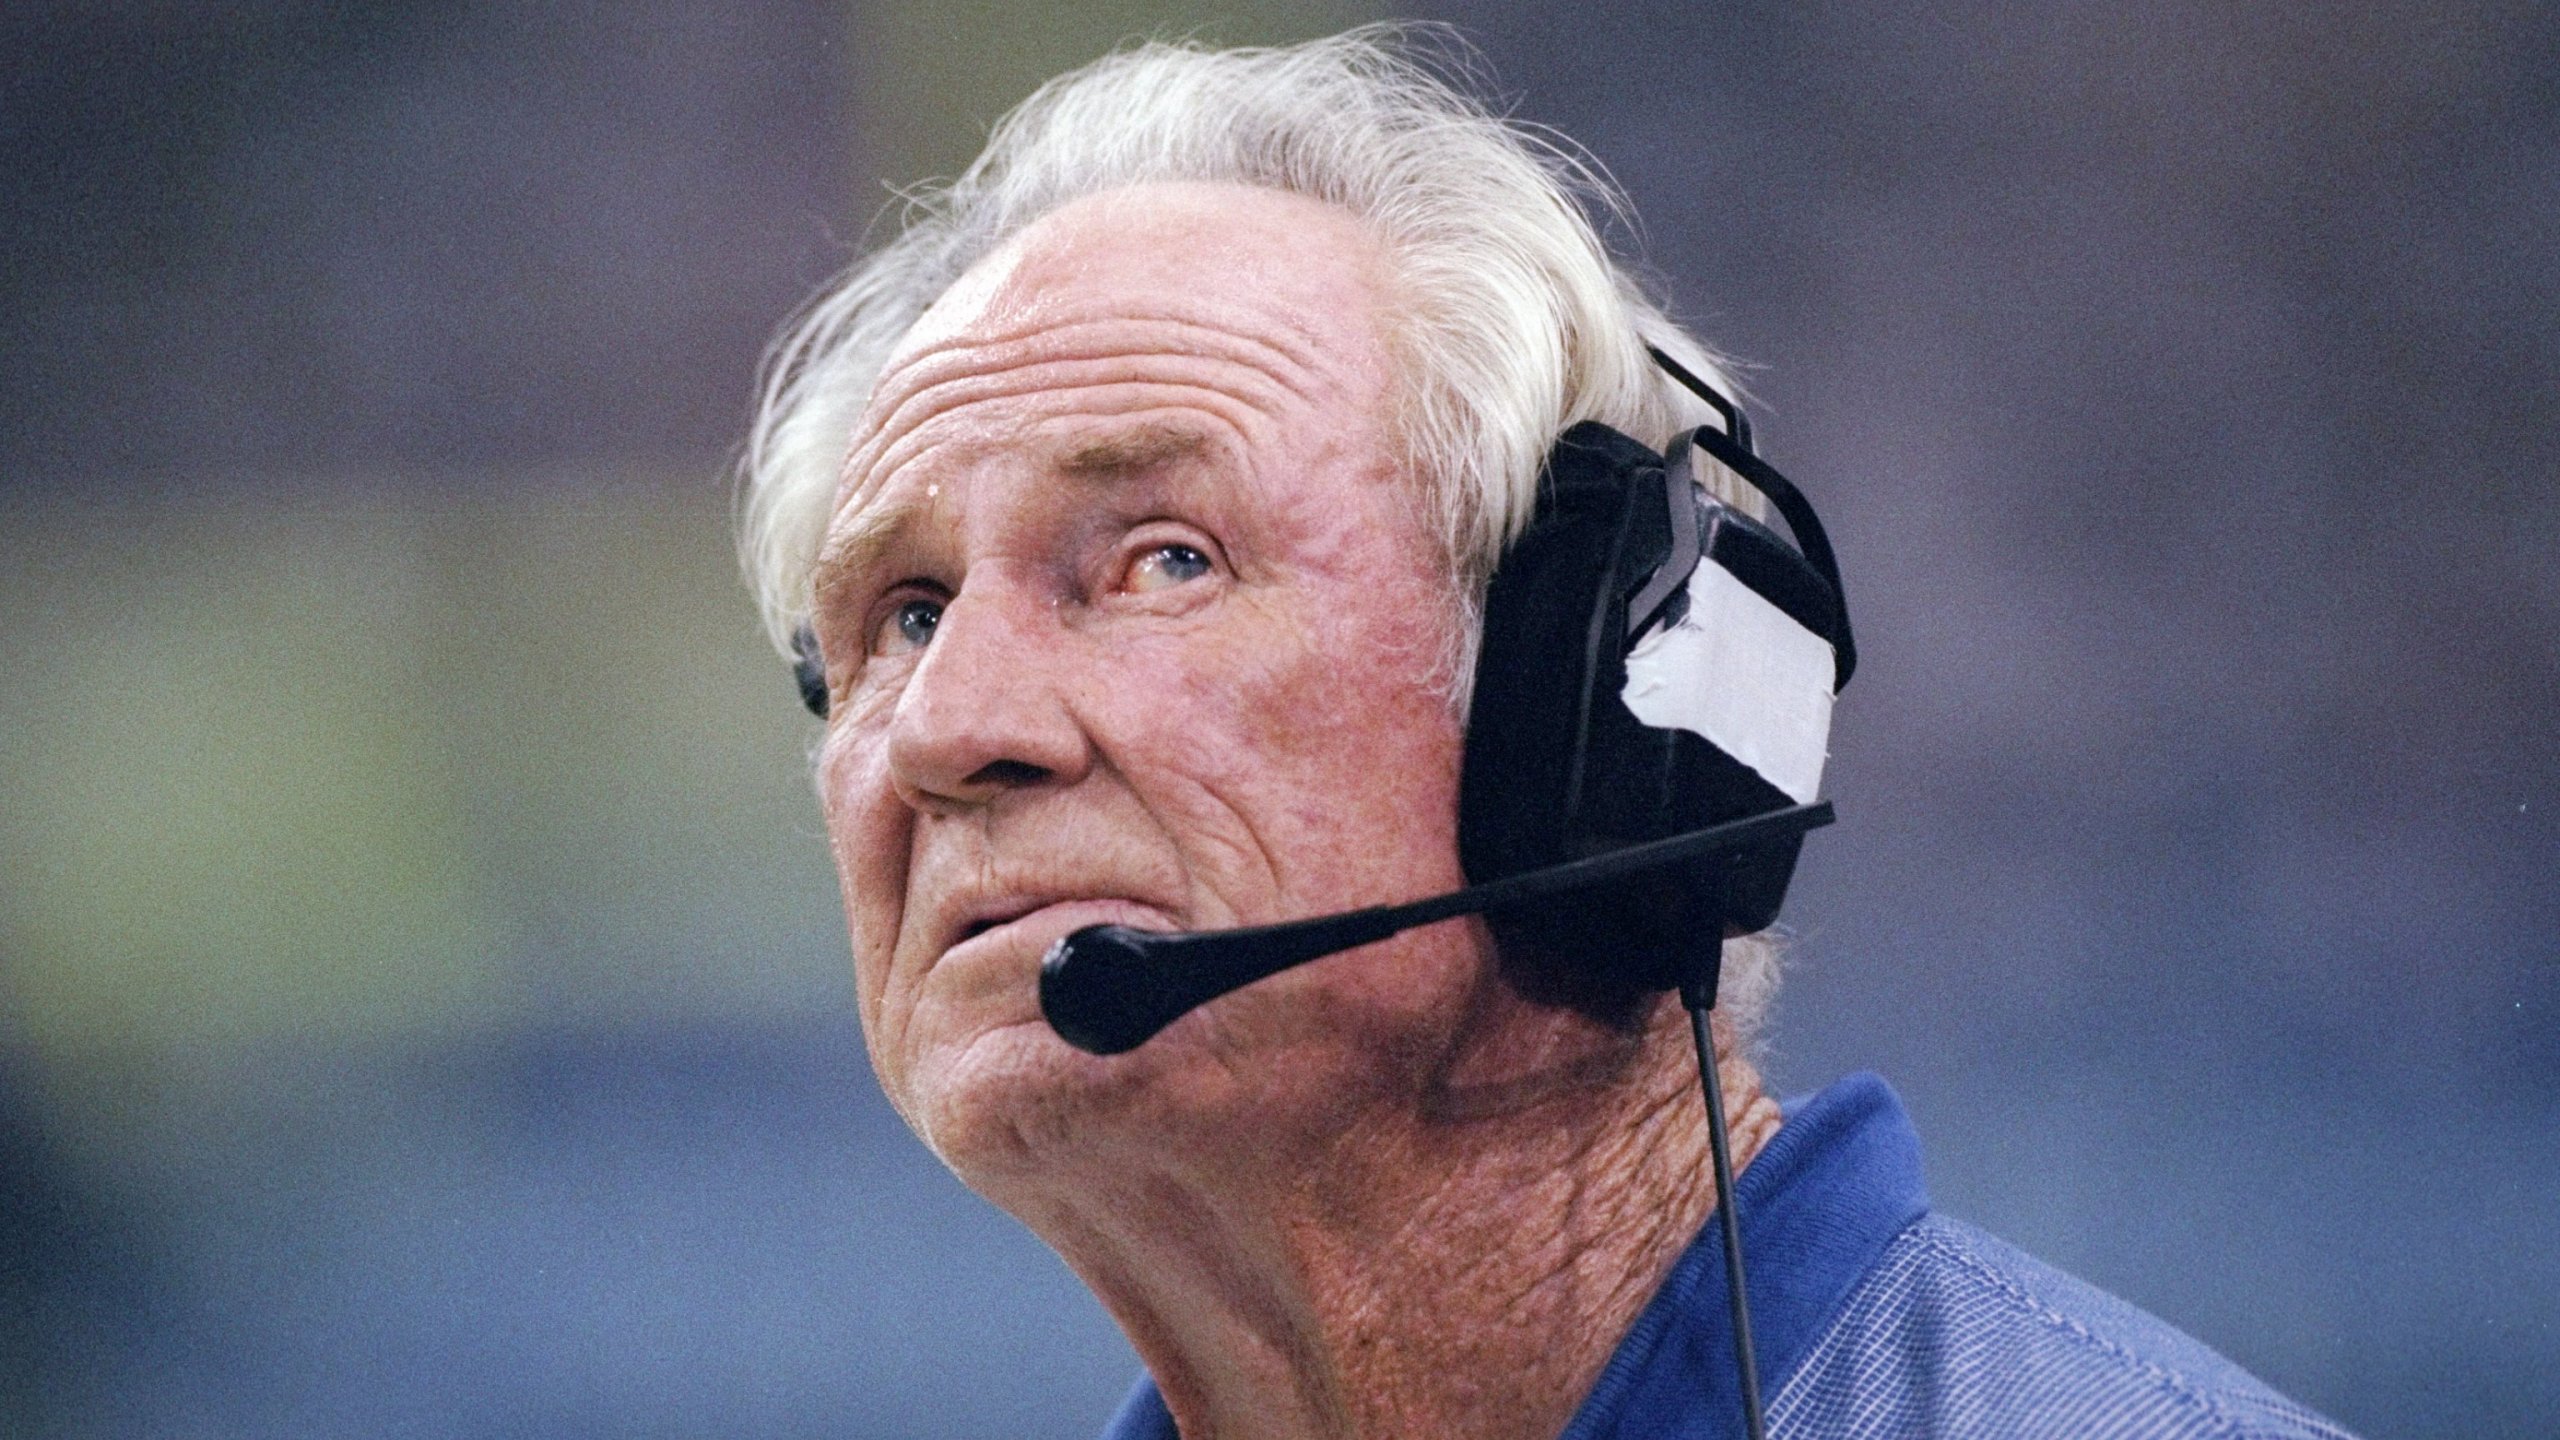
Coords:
1245,386
1286,342
993,366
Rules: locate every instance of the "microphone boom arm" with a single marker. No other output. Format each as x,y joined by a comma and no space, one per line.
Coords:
1108,989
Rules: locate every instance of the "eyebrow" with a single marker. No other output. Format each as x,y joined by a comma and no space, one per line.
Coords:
1123,454
848,552
1137,448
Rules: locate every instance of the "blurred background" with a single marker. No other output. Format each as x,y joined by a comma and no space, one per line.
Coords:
423,1004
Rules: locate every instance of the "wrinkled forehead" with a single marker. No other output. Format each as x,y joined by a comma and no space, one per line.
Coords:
1149,279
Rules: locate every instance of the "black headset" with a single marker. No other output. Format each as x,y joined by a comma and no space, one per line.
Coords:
1557,768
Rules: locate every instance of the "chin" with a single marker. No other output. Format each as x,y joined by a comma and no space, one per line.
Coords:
1019,1115
1014,1103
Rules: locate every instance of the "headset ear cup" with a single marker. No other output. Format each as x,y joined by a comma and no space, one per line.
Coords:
1533,680
1549,668
1559,768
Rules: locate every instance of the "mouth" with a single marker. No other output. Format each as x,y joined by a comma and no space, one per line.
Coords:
997,914
1044,919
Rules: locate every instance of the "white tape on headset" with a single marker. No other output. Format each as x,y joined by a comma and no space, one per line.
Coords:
1742,674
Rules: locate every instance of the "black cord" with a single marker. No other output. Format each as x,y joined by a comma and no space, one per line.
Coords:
1722,1147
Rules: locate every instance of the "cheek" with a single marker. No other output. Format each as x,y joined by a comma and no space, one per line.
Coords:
1330,741
1379,779
867,834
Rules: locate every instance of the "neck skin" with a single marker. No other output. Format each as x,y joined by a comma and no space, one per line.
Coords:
1462,1260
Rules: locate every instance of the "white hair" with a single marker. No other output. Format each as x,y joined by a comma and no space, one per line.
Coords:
1510,319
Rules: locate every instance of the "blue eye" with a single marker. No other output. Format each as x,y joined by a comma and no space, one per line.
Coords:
910,626
1167,565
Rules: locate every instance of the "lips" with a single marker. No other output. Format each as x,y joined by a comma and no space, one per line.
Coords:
1003,920
984,923
979,917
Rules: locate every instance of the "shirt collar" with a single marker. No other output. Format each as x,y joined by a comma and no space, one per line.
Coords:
1819,1204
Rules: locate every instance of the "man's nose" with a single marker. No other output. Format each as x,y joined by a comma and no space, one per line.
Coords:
986,711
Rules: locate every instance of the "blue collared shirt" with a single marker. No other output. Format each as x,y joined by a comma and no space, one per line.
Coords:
1875,1318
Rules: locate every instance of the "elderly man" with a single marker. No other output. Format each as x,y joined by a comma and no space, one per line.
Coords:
1137,505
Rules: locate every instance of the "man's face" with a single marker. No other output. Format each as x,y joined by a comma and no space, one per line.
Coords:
1129,615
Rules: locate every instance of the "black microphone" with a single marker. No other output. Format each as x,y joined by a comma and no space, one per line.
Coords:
1108,989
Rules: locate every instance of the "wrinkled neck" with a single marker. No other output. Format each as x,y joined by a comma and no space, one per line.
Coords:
1460,1258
